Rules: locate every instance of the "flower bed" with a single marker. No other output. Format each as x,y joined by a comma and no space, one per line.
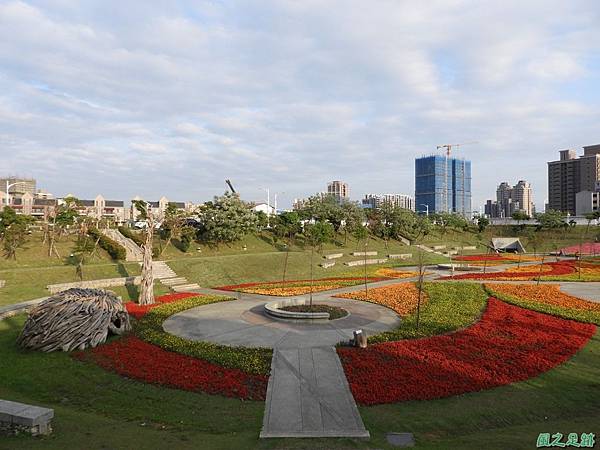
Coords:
495,258
547,298
556,269
402,297
149,328
133,358
507,345
588,248
296,287
138,311
391,273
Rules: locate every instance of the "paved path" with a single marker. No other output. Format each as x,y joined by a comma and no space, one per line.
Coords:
308,396
588,291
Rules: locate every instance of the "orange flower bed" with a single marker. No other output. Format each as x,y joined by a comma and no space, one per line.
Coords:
549,294
402,298
531,268
391,273
292,290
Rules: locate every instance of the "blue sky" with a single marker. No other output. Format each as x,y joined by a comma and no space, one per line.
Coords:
171,98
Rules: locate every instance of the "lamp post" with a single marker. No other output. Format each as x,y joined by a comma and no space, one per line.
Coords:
426,206
268,191
8,186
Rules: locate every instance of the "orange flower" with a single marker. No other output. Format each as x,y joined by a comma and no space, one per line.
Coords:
549,294
391,273
402,298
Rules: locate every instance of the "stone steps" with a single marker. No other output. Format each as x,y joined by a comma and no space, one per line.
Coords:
173,281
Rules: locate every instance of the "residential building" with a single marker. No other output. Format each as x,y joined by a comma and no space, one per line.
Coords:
587,202
570,175
375,201
269,210
158,208
100,208
339,190
443,184
30,205
510,199
17,186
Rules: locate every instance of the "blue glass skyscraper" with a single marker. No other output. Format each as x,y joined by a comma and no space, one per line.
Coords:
443,184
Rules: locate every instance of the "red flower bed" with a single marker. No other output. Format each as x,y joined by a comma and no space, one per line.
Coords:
490,257
134,358
589,248
557,268
138,311
234,287
507,345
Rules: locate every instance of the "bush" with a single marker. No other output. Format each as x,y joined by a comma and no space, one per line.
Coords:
135,237
149,328
114,249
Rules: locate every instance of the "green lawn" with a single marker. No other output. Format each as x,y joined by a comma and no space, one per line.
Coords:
101,410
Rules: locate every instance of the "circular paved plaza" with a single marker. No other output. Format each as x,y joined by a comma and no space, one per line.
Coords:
244,323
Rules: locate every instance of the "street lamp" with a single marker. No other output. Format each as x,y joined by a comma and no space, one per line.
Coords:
426,206
8,186
268,205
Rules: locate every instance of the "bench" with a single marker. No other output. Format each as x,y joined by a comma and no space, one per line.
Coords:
22,417
333,256
327,265
364,253
401,256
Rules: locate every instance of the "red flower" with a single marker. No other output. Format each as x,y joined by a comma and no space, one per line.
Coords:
557,268
507,345
134,358
138,311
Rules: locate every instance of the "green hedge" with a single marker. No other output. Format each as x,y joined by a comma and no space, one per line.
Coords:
450,306
114,249
135,237
149,328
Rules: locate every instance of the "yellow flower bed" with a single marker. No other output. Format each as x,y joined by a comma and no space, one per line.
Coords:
402,297
292,290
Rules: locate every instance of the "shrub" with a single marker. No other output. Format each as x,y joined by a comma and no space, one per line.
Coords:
135,237
114,249
149,328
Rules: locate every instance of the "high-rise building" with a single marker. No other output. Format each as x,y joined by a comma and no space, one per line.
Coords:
510,199
339,190
570,175
443,184
375,201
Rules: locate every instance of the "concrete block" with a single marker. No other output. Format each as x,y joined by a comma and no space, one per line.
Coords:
364,253
333,256
2,283
362,262
401,256
34,419
439,247
327,265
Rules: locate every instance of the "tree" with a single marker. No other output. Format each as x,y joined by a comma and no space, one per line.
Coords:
316,235
13,231
482,223
63,216
361,233
84,247
353,218
286,226
551,219
226,219
147,285
520,216
173,225
323,208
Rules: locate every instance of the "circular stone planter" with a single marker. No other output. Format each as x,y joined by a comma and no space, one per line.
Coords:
274,309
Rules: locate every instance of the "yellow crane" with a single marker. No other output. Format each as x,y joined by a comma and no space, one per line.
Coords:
449,148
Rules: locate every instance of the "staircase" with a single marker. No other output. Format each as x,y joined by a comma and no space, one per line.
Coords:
428,249
163,273
133,251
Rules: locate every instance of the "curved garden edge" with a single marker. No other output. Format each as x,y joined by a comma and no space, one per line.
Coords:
507,345
152,355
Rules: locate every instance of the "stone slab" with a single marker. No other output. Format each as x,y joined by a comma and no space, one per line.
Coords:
373,253
333,256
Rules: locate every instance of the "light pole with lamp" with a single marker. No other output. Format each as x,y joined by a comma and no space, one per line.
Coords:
268,191
8,186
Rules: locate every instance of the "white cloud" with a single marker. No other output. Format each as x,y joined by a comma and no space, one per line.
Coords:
159,100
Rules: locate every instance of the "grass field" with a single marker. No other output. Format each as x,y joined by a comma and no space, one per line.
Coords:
98,410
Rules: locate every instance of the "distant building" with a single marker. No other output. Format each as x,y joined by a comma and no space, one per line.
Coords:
269,210
18,186
100,208
375,201
510,199
570,175
587,202
443,184
339,190
37,207
158,208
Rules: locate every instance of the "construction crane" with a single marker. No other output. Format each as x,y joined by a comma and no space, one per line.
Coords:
449,148
230,186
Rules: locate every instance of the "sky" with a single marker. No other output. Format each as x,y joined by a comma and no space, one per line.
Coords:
173,97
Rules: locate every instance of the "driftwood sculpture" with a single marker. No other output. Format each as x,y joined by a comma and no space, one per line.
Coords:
74,319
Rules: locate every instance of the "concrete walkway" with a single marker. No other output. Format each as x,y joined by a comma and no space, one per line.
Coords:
586,290
308,396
